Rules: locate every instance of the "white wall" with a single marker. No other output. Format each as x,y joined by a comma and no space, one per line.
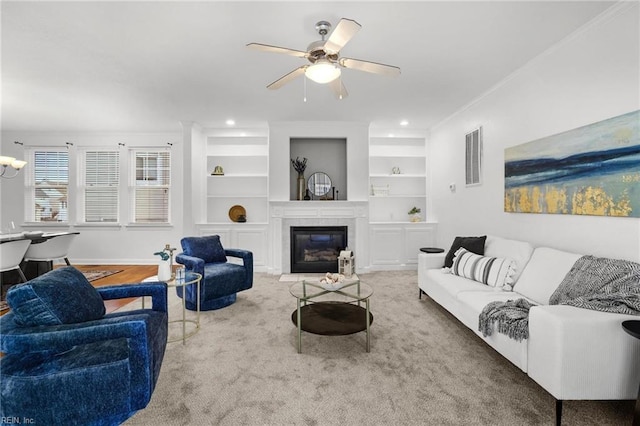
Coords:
111,244
591,76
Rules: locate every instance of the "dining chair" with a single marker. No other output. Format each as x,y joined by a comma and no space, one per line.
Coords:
53,248
11,254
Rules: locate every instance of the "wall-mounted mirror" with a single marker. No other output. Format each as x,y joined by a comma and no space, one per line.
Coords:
319,184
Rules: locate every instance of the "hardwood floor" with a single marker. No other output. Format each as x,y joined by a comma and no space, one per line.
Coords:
128,274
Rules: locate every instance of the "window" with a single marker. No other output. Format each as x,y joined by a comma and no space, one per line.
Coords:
48,186
100,179
150,185
473,157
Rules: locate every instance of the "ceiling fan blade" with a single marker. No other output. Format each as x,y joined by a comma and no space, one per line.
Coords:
341,35
338,88
367,66
287,78
276,49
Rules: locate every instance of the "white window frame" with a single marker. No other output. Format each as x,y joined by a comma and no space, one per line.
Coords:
31,187
111,182
146,180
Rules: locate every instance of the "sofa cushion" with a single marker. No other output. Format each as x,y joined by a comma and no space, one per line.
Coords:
519,251
452,284
492,271
444,287
473,244
544,272
471,304
62,296
208,248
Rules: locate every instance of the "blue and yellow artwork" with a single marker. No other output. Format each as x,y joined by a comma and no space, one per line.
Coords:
591,170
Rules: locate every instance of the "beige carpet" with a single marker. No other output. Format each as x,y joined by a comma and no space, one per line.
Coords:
424,368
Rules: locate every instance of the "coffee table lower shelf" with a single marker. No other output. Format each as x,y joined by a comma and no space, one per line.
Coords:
332,319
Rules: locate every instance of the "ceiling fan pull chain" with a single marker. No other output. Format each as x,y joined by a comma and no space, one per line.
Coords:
305,89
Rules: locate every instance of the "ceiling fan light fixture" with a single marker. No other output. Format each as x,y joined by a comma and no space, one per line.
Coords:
322,71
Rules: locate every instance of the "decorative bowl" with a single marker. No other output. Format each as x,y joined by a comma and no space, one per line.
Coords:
332,286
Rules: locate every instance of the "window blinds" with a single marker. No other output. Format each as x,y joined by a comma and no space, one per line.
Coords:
49,188
101,184
150,186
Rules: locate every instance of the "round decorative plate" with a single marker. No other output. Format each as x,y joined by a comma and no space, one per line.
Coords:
236,211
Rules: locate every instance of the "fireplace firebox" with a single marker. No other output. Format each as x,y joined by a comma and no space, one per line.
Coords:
316,248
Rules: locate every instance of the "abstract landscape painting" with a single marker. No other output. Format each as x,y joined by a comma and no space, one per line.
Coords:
591,170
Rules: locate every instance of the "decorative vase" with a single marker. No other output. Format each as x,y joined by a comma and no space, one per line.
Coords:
164,270
415,217
301,186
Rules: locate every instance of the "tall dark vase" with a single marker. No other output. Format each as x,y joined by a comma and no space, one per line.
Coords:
301,186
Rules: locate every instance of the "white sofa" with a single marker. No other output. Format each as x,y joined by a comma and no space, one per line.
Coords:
573,353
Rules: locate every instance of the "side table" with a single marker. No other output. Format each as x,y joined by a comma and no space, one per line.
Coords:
428,258
633,328
191,278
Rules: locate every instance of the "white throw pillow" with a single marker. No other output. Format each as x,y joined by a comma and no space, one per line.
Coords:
544,273
519,251
492,271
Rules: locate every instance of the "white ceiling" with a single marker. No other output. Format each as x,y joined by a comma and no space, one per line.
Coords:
146,66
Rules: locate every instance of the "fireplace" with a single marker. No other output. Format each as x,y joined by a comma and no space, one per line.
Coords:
316,248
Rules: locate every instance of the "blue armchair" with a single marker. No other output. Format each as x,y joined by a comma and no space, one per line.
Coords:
221,280
66,362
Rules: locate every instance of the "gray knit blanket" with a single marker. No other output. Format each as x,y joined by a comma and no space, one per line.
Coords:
601,284
511,318
608,285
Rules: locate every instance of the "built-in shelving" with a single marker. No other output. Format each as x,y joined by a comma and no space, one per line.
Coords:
243,156
398,182
245,163
397,177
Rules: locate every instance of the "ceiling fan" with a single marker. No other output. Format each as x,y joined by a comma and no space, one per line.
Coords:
324,57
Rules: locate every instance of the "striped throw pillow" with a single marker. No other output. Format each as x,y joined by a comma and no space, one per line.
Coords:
492,271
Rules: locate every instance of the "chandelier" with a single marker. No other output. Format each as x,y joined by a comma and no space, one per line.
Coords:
8,164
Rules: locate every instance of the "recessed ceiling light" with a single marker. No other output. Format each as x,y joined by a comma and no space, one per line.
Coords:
391,135
230,122
404,123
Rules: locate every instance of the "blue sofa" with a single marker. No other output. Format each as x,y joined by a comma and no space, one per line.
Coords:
221,280
67,362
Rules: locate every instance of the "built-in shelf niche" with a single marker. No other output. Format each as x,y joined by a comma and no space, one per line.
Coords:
245,182
328,155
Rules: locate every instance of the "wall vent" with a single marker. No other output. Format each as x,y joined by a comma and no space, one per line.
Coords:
473,157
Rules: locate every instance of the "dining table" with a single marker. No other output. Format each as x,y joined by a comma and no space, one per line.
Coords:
30,269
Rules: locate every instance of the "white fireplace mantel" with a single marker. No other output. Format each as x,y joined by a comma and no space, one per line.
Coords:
284,214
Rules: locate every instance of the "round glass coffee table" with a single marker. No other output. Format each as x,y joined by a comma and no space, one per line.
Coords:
191,279
332,311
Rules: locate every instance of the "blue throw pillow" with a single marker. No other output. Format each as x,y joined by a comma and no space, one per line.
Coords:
206,248
62,296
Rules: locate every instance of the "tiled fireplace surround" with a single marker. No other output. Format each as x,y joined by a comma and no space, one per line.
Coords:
285,214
